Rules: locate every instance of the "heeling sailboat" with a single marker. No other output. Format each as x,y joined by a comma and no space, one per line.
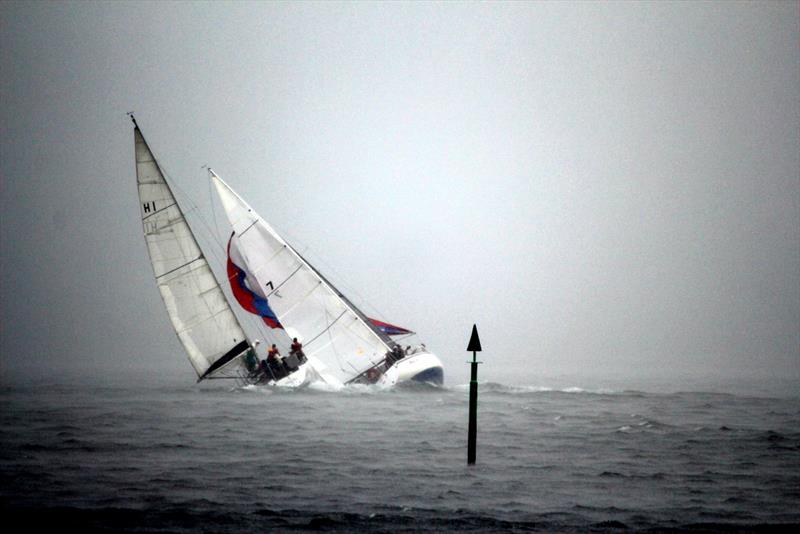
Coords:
270,279
340,341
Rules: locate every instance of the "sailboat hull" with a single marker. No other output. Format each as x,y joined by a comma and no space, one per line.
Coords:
420,367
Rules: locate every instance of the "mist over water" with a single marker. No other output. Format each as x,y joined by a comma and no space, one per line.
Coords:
178,458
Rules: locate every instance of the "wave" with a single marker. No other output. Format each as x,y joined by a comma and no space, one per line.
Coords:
644,424
324,386
320,385
174,518
645,476
496,387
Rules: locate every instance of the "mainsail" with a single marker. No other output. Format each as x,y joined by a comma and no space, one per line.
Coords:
200,314
294,296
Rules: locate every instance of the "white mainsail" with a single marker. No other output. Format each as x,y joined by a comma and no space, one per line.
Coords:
200,314
292,295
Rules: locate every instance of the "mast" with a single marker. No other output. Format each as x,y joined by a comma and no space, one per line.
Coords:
197,307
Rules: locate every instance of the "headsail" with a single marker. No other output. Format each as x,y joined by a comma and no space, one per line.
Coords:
202,318
246,289
304,303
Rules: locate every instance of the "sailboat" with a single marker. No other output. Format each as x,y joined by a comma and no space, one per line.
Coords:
324,336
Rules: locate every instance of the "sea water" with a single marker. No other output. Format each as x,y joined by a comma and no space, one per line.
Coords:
220,458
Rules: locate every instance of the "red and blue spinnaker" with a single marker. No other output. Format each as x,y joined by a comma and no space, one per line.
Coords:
246,297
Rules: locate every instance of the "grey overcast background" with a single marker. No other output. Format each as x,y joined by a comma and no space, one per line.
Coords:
606,189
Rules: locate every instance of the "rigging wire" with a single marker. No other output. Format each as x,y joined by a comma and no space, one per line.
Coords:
340,280
211,201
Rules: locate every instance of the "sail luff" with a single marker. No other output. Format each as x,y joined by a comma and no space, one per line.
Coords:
197,307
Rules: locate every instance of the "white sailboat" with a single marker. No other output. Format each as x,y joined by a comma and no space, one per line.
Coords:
268,278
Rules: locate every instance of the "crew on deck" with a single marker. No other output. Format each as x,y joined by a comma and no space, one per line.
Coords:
297,350
274,355
275,362
395,355
251,358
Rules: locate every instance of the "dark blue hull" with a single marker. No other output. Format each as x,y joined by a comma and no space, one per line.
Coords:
434,375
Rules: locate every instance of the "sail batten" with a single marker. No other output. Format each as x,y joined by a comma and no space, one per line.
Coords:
198,310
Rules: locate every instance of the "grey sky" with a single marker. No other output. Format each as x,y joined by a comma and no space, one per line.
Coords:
602,187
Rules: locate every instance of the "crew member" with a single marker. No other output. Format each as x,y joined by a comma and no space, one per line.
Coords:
274,355
275,361
396,355
251,358
297,350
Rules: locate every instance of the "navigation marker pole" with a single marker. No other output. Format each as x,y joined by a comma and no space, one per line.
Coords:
474,346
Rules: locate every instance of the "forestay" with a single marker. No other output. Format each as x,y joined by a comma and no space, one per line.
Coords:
202,318
303,302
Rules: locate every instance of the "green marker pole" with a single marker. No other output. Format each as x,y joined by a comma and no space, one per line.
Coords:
472,433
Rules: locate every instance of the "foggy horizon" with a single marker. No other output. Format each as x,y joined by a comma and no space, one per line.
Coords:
608,190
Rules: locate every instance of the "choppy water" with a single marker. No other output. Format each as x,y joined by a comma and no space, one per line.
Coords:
221,459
